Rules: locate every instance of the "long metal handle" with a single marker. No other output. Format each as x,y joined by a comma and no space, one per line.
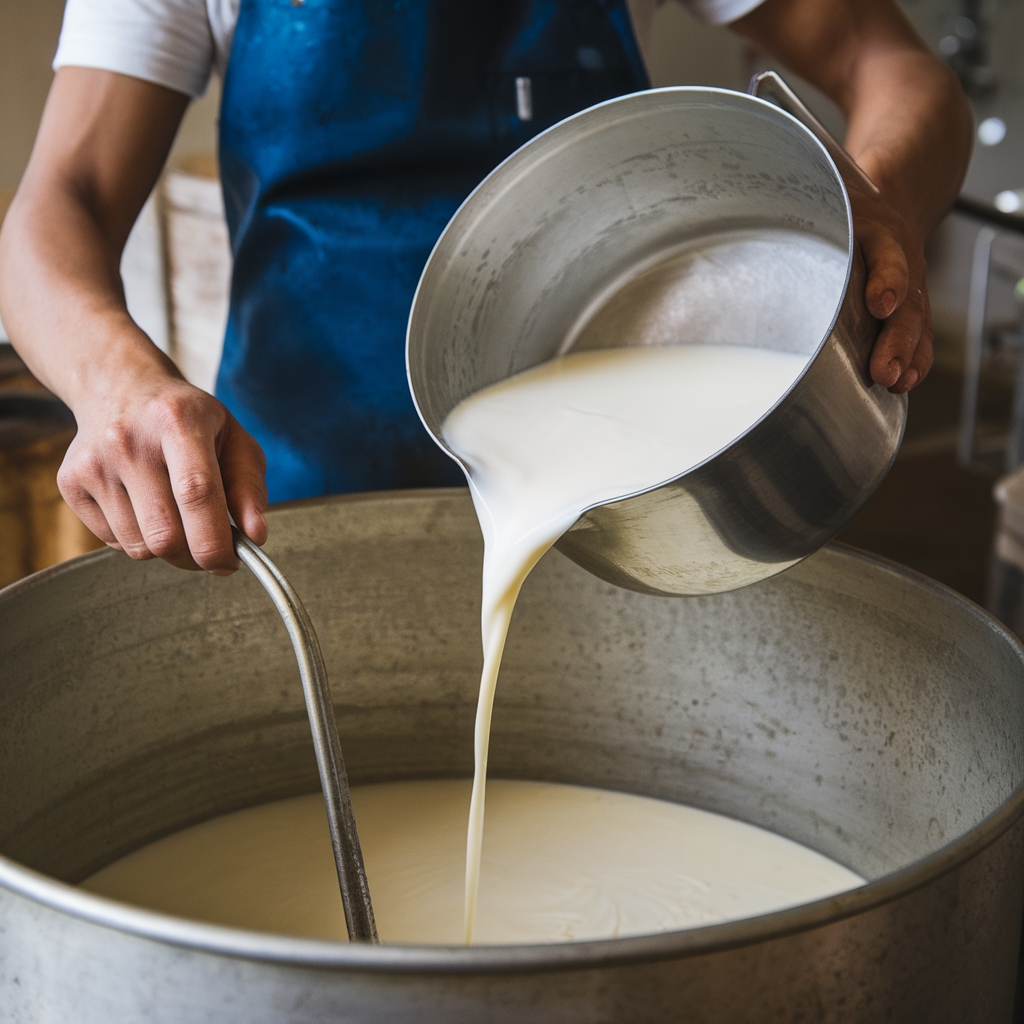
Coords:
348,855
769,85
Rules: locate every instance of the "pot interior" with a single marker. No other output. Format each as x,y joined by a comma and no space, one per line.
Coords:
634,188
844,704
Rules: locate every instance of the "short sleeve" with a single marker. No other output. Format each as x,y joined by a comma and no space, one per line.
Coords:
721,12
168,42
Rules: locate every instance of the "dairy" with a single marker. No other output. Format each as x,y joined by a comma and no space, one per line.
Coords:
559,863
544,445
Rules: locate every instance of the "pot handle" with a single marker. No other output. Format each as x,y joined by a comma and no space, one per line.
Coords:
769,85
348,855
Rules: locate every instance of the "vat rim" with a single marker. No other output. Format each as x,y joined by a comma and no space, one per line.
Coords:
284,950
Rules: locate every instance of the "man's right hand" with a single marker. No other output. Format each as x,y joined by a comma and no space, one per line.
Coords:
155,468
157,464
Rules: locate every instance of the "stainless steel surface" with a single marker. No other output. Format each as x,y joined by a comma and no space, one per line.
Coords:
593,234
986,339
974,343
769,85
341,819
847,704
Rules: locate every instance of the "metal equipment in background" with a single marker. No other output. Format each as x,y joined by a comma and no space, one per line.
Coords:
966,47
998,254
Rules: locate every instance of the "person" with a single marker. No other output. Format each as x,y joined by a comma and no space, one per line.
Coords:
350,131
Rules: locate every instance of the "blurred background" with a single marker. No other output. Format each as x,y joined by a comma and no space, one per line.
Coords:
937,511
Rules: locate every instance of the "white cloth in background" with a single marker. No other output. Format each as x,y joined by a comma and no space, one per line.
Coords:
178,43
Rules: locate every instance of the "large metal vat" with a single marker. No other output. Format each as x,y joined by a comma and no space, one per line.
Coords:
847,704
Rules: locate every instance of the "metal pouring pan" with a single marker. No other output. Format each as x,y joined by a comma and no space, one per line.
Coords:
601,232
847,704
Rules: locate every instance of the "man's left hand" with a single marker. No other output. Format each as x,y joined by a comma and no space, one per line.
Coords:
895,293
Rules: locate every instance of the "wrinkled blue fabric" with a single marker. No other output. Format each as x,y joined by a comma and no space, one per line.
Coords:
350,132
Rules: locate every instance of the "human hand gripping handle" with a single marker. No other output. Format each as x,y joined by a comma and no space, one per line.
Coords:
895,291
156,468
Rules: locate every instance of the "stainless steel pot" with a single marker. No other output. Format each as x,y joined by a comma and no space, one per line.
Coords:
848,704
666,217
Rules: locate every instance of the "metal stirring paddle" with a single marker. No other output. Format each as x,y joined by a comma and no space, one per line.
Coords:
348,855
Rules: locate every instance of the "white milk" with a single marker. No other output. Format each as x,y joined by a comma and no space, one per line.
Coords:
560,863
548,443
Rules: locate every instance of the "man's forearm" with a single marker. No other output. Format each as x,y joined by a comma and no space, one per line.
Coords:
910,127
62,300
911,130
60,288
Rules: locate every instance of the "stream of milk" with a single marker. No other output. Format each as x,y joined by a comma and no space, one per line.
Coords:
546,444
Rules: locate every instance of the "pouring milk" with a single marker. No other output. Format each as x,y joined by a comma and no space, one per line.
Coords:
545,445
560,862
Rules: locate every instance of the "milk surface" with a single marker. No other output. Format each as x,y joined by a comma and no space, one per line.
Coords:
559,863
544,445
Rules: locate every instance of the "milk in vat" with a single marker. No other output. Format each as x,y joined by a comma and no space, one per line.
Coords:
560,863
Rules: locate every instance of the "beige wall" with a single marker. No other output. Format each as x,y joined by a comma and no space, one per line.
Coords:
29,30
28,38
684,51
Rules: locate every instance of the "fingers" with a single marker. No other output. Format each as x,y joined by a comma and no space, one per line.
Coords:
895,292
888,272
157,518
157,480
902,355
243,469
101,502
82,504
198,493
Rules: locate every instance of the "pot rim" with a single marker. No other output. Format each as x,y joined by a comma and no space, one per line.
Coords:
387,958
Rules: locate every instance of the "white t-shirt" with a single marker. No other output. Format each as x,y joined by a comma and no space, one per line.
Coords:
177,43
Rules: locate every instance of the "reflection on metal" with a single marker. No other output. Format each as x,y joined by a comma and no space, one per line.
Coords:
524,99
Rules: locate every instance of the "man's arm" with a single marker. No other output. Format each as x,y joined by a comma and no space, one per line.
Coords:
156,463
911,130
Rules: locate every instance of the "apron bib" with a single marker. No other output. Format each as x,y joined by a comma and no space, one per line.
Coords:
350,132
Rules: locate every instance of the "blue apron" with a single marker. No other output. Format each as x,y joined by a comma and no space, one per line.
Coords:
350,132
